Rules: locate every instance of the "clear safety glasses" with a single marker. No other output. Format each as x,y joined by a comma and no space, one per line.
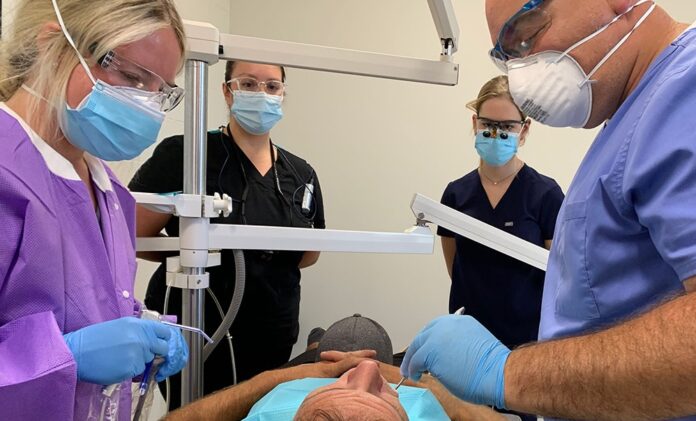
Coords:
130,74
518,35
497,128
250,84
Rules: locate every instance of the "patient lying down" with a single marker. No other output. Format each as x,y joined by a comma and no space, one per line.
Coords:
361,393
308,392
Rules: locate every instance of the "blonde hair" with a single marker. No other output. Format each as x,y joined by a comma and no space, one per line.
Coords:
95,26
497,87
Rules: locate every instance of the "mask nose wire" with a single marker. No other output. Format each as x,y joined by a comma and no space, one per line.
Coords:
72,43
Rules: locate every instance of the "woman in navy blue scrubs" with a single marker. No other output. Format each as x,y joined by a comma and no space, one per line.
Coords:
504,294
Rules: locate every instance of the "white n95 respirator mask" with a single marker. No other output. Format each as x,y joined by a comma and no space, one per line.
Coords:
552,88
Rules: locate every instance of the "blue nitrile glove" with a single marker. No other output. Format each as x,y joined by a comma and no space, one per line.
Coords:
117,350
177,357
463,356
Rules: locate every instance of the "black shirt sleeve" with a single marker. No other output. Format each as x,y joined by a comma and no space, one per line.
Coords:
447,200
163,172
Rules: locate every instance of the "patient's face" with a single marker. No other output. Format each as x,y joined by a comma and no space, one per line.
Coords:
359,394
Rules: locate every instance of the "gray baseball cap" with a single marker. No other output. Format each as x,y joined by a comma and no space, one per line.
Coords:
355,333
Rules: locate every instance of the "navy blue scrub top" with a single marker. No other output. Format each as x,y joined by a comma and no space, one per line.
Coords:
502,293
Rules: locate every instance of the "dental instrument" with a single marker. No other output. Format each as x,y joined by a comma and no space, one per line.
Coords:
188,328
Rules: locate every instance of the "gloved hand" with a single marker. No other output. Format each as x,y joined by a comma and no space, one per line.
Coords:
463,356
113,351
177,357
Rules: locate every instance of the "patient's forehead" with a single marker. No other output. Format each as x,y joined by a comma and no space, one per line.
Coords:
348,404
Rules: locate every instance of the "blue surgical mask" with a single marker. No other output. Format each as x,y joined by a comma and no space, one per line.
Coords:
496,151
256,112
112,123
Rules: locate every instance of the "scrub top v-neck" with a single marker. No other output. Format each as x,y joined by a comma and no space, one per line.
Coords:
502,198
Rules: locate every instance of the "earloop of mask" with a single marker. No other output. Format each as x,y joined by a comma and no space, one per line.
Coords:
602,29
33,92
72,43
623,40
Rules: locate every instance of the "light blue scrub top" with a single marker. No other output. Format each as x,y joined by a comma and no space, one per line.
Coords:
626,234
281,403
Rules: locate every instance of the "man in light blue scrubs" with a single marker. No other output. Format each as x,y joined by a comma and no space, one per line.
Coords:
617,335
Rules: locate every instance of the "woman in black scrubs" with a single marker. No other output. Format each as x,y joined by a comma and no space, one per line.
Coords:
267,185
502,293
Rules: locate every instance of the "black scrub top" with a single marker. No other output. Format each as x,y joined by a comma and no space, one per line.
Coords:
267,324
501,292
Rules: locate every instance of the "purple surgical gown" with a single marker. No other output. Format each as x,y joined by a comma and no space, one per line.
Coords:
63,266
